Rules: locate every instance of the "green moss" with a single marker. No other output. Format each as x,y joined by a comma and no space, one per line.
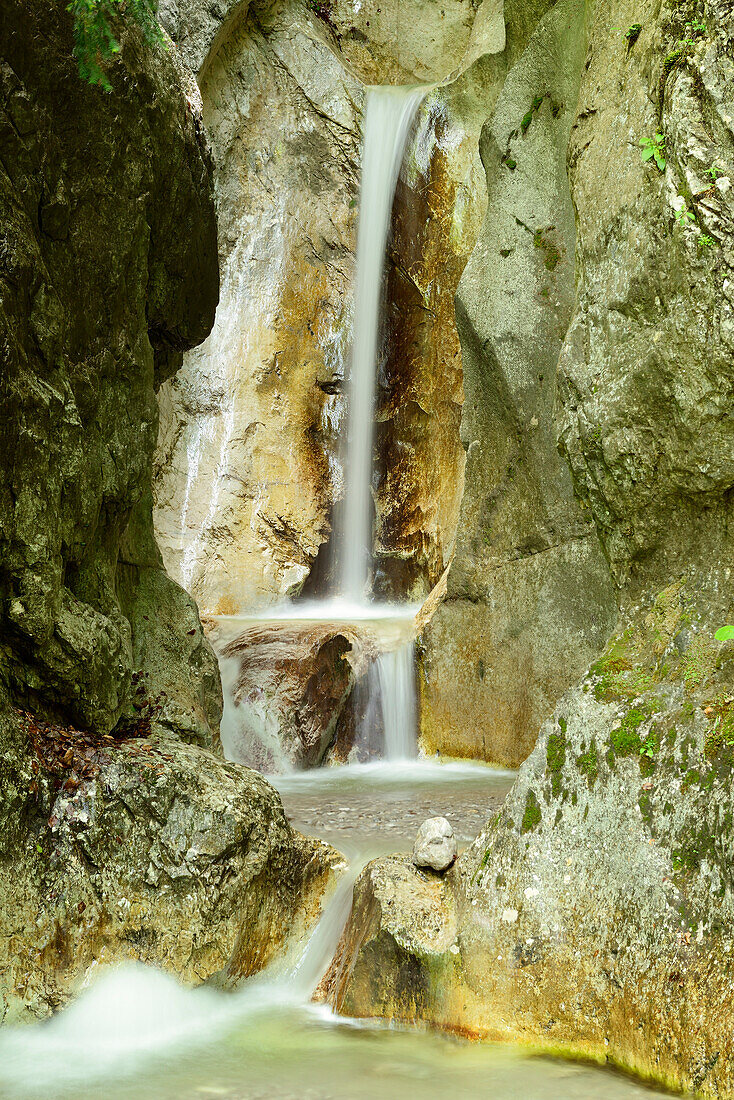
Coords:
552,253
588,765
701,846
699,662
672,60
625,738
645,804
528,117
555,754
532,815
719,743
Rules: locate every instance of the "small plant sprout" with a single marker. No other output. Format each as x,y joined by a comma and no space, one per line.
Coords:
633,33
654,148
696,28
706,242
724,634
684,216
714,171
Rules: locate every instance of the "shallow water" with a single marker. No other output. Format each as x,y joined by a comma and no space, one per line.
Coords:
136,1034
368,809
292,1053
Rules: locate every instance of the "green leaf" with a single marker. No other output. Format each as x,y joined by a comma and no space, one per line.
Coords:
647,154
724,633
660,161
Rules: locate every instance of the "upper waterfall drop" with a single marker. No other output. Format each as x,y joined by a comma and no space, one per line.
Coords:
389,113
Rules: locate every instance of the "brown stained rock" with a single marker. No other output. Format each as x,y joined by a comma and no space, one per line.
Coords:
248,464
251,443
420,393
288,683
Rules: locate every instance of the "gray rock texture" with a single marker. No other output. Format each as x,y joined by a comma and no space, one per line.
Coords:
148,850
529,579
435,845
594,913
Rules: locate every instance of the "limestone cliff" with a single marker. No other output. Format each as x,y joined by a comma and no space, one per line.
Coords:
109,273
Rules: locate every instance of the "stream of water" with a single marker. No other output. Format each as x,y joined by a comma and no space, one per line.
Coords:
137,1035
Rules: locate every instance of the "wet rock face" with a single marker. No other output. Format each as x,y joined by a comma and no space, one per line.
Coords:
248,460
528,581
164,854
249,468
108,274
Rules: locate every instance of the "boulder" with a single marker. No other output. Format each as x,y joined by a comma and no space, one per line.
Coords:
140,849
593,914
285,686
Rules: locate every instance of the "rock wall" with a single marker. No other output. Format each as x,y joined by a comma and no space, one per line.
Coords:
529,581
84,597
117,839
247,467
593,915
251,449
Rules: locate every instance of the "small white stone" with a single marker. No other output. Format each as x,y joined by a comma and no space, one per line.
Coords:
435,845
454,949
509,916
531,892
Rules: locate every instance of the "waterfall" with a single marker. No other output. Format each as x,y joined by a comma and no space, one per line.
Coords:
388,116
250,732
395,674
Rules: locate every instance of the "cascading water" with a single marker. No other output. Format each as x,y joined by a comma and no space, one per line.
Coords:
397,695
388,116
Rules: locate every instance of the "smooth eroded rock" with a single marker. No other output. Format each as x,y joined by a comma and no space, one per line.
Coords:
435,845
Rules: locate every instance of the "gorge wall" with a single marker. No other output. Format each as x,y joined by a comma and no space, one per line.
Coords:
480,281
117,838
594,913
